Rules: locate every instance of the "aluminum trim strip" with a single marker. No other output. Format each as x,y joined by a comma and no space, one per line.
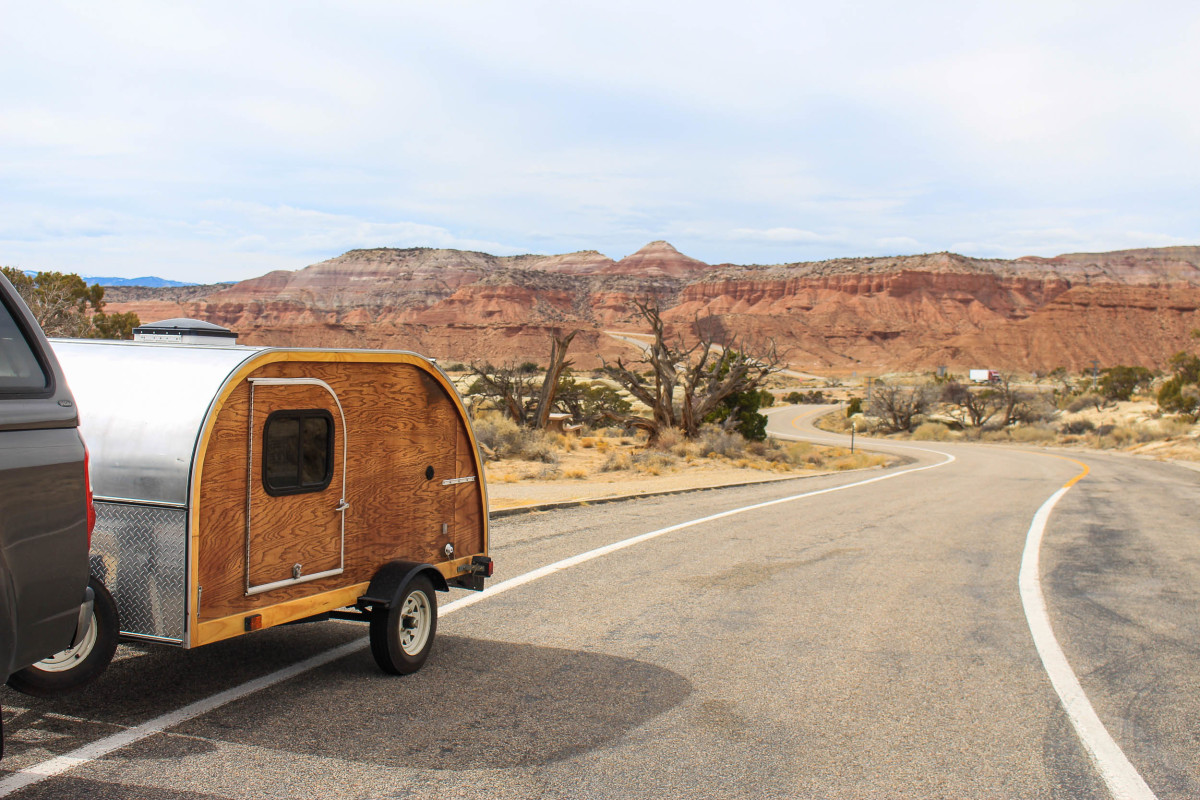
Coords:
130,501
342,504
266,587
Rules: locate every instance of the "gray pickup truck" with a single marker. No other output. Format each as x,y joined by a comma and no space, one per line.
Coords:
46,603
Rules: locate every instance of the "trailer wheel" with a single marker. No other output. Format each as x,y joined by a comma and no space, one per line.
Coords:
402,634
76,666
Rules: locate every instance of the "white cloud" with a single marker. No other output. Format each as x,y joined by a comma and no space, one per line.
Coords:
217,138
781,235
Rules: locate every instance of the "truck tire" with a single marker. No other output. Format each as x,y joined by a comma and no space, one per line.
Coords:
402,633
77,666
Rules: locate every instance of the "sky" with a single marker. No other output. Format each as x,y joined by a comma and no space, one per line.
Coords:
222,140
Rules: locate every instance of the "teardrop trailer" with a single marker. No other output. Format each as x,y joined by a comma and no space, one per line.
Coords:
238,488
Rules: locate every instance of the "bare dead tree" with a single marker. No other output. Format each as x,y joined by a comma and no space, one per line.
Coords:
515,389
1019,405
704,375
558,362
509,386
899,406
973,407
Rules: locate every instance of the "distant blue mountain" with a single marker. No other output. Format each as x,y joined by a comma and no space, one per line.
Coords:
150,281
146,281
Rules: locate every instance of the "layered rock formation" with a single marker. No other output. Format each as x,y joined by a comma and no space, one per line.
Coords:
867,314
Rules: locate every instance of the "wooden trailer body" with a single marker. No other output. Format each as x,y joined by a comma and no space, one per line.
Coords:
240,487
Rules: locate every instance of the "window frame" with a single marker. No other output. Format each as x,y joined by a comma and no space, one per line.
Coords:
300,414
34,343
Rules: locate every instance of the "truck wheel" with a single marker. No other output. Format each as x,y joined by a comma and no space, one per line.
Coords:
76,666
402,634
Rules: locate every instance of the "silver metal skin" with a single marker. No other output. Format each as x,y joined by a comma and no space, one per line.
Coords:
139,551
141,409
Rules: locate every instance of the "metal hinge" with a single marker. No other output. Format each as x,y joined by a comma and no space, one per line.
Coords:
452,481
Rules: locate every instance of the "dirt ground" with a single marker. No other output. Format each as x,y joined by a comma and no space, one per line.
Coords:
594,468
535,491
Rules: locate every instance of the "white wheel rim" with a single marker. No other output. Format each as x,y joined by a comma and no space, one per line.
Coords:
416,618
72,656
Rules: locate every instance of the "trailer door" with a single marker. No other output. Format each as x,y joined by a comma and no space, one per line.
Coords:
296,483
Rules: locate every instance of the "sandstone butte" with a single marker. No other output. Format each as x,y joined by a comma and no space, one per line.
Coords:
870,315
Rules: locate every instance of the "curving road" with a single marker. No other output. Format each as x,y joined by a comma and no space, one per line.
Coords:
853,635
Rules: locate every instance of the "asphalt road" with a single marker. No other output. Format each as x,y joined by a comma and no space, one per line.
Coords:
863,642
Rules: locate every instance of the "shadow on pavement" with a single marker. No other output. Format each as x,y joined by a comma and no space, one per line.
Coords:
476,705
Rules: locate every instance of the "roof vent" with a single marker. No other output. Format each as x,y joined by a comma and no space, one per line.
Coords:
184,331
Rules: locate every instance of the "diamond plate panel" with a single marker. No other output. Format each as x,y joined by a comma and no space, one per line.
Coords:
139,553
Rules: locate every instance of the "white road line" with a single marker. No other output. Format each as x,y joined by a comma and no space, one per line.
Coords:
102,747
1122,779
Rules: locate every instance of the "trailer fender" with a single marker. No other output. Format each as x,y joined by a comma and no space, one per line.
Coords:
389,581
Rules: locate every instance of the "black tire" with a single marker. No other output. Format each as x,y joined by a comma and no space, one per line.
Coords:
402,634
74,668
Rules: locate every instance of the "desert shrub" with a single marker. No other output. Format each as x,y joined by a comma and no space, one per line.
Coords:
1120,382
654,462
740,412
1118,436
1078,427
794,398
796,452
617,462
536,448
497,432
1030,434
686,449
668,438
587,442
726,444
854,406
508,440
1174,426
575,473
1177,396
1086,401
931,432
1105,430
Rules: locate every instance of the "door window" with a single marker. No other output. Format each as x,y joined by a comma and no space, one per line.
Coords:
297,451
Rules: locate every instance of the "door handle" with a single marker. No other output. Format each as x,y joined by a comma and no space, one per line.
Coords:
342,505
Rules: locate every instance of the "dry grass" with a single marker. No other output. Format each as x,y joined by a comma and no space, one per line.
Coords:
529,457
932,432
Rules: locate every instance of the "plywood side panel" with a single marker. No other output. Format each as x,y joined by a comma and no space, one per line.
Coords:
468,501
399,423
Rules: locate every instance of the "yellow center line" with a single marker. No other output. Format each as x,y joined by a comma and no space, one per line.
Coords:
1077,462
813,413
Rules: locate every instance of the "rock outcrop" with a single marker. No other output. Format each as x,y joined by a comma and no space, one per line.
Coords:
868,314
